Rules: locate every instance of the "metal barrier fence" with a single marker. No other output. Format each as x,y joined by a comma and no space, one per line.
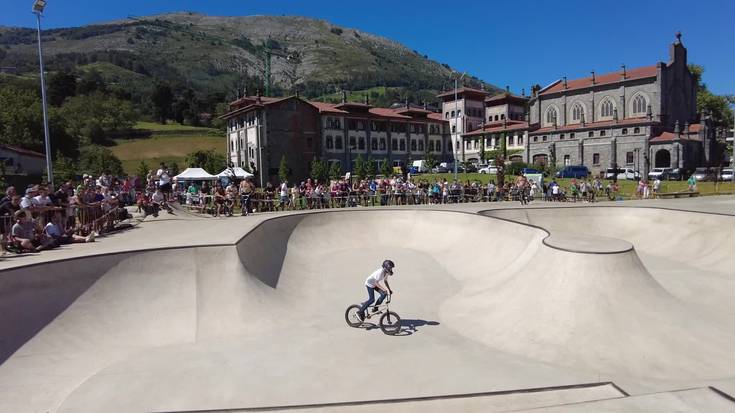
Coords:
82,219
262,202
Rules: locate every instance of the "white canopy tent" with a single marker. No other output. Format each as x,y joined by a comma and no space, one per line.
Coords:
194,174
237,171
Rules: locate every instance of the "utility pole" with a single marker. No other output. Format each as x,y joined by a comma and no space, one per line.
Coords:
456,122
38,7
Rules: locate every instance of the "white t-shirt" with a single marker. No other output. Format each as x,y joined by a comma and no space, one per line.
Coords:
163,177
376,277
53,230
42,200
157,197
284,190
28,202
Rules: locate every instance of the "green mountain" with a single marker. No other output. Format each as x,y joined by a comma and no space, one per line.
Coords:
219,57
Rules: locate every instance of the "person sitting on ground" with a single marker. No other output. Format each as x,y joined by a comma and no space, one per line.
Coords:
25,235
55,230
373,283
158,202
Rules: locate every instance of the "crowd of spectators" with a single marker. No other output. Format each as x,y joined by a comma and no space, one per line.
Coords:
227,198
41,217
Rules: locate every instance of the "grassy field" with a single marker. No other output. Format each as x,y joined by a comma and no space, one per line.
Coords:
166,143
627,188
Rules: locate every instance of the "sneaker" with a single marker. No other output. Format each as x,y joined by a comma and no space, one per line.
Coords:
375,309
91,237
360,315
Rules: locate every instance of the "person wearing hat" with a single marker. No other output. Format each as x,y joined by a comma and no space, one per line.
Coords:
25,235
29,201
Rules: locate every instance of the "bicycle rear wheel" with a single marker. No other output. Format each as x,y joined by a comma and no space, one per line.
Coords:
390,323
351,316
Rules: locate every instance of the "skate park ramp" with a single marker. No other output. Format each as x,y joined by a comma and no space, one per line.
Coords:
490,308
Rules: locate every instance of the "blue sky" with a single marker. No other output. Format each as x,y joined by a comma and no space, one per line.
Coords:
515,43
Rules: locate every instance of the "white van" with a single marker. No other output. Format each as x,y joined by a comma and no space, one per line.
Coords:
420,166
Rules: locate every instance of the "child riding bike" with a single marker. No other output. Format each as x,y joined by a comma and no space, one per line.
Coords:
373,283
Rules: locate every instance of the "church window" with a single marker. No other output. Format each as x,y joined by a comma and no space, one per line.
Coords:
606,109
577,112
551,116
639,105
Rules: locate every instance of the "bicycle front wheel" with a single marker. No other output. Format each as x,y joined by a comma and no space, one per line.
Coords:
351,316
390,323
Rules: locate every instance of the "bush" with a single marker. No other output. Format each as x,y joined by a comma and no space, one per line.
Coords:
98,159
336,30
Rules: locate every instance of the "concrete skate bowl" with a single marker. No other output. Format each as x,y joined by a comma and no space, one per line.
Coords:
488,307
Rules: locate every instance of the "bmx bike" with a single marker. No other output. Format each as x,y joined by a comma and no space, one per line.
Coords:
389,321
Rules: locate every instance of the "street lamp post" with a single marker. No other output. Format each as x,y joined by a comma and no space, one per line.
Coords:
38,7
456,122
732,158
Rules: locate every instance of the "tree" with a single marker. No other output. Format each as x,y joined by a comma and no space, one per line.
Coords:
93,118
283,171
335,171
371,168
142,170
64,168
61,85
162,99
360,167
211,160
385,169
96,159
319,170
174,169
717,106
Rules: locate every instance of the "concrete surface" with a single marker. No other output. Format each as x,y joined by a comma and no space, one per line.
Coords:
189,314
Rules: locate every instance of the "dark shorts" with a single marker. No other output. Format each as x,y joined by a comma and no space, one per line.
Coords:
166,188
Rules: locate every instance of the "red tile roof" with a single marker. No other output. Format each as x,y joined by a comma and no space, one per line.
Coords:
668,136
436,117
593,125
506,96
663,137
388,113
327,107
604,79
495,127
464,90
22,151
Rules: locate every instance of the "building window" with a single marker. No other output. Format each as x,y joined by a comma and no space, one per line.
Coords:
446,115
639,105
459,113
636,130
413,145
309,142
454,129
543,138
512,141
590,134
361,143
374,144
520,140
438,146
403,144
535,138
606,108
394,144
595,159
338,142
551,116
453,114
567,160
502,116
383,144
571,135
603,133
353,143
629,158
561,137
625,131
431,146
577,112
421,146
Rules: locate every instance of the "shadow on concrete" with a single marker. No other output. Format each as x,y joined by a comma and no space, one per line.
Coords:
408,326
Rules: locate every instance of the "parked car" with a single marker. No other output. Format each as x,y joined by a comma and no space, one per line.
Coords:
439,169
660,173
726,174
703,174
470,167
573,171
629,174
526,171
489,169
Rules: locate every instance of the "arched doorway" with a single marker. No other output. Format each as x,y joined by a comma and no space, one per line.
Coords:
663,159
541,159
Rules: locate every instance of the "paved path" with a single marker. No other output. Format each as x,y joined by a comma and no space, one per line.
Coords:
186,313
